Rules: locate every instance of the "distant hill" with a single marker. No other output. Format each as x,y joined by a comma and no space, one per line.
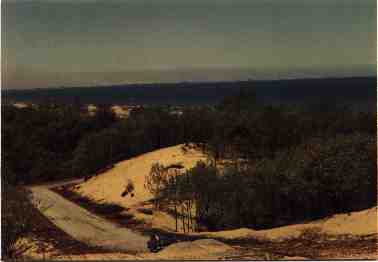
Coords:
352,90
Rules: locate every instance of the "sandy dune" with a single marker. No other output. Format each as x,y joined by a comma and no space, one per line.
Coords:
91,229
109,186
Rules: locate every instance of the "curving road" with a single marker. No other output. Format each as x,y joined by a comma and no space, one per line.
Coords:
83,225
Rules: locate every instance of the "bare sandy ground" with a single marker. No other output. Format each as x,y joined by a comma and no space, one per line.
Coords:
107,187
120,111
361,223
89,228
84,226
20,105
208,249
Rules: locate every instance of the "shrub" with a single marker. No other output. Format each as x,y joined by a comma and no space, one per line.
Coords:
146,211
16,220
129,188
156,180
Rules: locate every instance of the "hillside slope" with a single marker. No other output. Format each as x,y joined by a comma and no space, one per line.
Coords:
361,223
108,187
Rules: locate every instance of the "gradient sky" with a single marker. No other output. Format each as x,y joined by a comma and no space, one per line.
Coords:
66,42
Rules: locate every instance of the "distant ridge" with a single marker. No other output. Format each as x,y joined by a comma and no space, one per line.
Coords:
310,90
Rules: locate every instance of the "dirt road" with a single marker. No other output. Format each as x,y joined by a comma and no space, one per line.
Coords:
85,226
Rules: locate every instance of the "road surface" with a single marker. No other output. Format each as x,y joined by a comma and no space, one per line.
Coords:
85,226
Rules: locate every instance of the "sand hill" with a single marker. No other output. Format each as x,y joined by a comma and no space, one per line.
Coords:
108,187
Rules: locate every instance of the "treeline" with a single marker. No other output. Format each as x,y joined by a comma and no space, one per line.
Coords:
38,142
51,141
55,141
320,177
271,166
283,162
242,129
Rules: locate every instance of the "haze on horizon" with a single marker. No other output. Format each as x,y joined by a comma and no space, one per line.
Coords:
51,43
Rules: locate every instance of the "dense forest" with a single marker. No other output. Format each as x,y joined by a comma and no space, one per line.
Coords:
268,165
55,141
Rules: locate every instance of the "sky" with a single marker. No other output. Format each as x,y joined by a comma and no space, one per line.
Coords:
53,43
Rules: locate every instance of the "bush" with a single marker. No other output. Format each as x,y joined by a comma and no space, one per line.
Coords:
129,188
16,220
156,180
146,211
